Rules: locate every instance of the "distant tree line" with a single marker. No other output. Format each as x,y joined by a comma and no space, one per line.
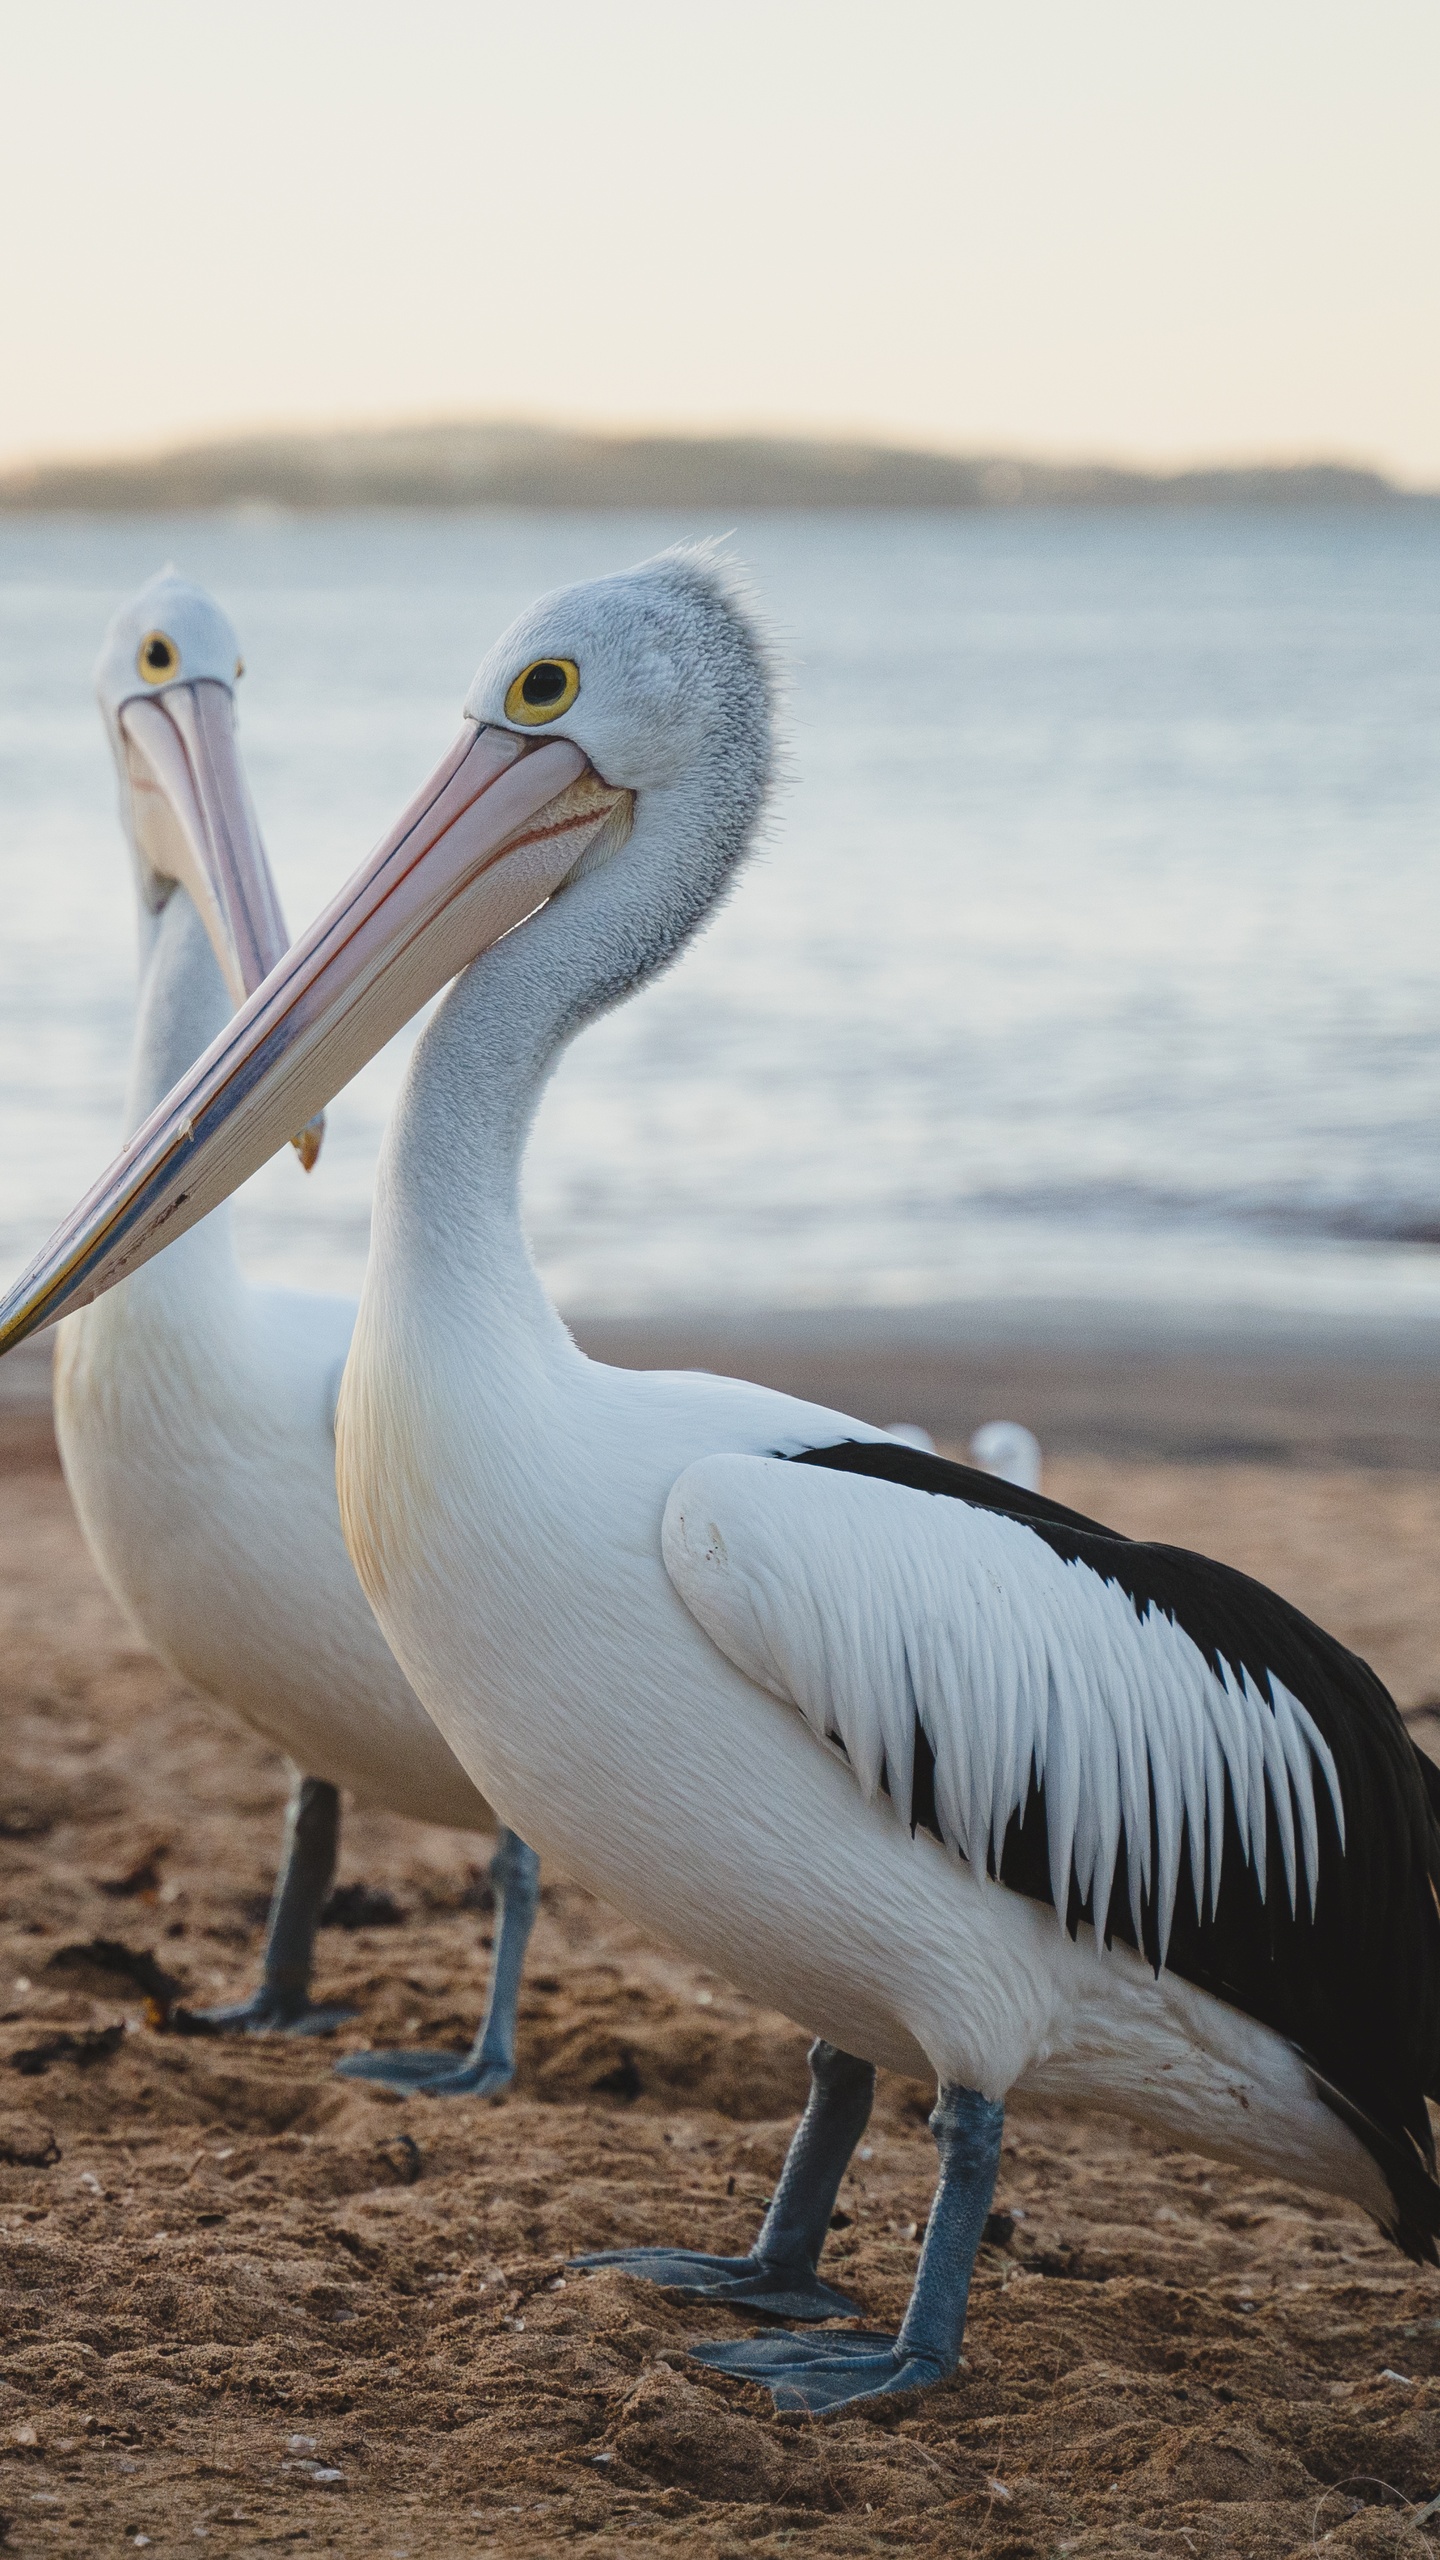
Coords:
480,464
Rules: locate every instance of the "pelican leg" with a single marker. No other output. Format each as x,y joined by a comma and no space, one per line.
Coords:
831,2372
280,2005
489,2066
778,2274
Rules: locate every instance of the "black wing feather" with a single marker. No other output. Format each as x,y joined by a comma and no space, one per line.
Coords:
1355,1985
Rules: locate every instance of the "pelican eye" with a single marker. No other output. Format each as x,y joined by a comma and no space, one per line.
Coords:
542,691
157,657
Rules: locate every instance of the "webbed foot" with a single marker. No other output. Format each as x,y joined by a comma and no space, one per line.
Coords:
750,2283
487,2070
836,2371
281,2004
429,2073
826,2373
272,2011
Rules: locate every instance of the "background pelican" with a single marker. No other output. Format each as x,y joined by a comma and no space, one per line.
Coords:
194,1413
1006,1449
954,1775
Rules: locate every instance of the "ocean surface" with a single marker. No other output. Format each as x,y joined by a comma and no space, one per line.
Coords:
1094,954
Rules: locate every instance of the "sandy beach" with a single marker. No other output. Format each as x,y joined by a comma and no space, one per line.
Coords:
248,2304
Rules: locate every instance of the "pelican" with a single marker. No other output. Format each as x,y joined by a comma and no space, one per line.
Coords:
962,1780
1008,1450
194,1413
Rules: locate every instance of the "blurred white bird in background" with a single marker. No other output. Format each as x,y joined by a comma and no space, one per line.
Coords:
1004,1449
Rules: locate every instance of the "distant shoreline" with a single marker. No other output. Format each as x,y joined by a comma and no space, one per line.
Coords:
482,464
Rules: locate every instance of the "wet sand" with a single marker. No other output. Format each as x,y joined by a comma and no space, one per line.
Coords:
250,2306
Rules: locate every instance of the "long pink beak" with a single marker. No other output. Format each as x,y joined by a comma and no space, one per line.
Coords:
194,822
499,826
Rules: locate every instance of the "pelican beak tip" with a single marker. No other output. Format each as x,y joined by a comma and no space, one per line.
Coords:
308,1141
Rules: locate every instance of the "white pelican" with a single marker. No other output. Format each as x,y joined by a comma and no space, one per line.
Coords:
960,1779
1008,1450
1004,1449
194,1413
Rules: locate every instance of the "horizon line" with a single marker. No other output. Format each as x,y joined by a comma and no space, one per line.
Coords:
170,445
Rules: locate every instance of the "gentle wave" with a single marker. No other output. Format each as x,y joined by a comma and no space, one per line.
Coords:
1096,947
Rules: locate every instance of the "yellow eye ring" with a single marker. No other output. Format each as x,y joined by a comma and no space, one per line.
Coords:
157,658
542,691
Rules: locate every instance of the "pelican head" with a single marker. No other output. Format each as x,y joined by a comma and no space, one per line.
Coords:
165,680
652,673
614,751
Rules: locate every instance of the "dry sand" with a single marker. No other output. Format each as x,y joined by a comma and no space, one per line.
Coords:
248,2305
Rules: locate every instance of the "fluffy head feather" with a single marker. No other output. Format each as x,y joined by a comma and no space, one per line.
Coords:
676,705
171,609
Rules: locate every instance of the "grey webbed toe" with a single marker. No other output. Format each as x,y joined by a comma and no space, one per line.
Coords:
487,2070
429,2073
777,2277
273,2011
750,2283
825,2373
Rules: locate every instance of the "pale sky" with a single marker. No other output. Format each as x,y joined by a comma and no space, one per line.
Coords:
1147,228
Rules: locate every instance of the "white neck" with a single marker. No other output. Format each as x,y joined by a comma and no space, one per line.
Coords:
446,1233
183,1005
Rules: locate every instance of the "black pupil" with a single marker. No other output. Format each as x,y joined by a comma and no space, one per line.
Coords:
157,655
543,684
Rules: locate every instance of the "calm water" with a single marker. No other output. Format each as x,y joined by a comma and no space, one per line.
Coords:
1096,949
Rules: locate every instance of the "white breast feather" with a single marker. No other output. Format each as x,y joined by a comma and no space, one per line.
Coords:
869,1605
